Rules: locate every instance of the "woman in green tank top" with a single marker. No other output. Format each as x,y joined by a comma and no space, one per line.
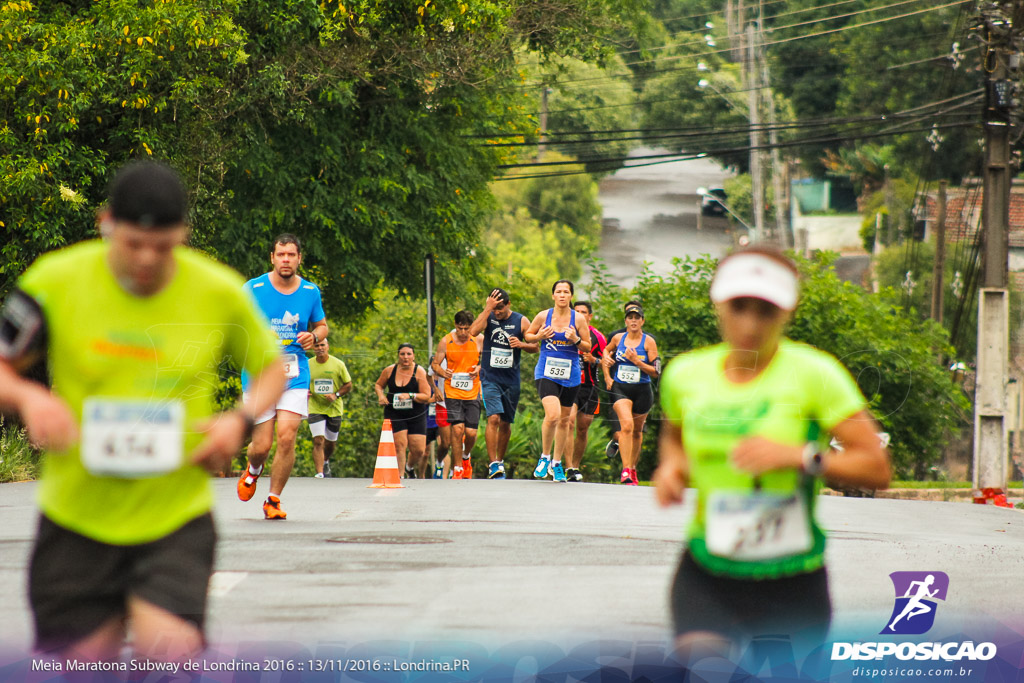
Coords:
744,424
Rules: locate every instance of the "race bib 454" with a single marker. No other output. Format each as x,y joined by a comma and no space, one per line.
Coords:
132,439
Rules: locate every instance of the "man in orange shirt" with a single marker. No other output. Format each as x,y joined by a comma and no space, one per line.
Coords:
461,353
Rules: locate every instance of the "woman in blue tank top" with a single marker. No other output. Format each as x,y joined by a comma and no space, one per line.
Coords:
635,354
562,336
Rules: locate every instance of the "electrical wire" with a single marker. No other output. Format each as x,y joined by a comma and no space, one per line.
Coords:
819,121
765,44
779,28
895,130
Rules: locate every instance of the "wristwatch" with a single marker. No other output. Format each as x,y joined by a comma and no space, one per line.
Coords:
813,460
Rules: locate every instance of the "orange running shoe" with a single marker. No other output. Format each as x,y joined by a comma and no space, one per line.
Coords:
457,473
467,469
247,491
272,509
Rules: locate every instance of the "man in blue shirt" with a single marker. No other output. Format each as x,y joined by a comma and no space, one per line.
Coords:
503,331
293,307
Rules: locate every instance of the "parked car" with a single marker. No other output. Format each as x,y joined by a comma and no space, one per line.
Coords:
709,204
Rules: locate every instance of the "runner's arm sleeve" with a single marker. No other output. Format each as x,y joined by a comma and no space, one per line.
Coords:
23,333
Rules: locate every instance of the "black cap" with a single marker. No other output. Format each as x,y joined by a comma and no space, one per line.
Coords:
634,309
148,194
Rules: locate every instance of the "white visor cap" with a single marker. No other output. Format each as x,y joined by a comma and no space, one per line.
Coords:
757,276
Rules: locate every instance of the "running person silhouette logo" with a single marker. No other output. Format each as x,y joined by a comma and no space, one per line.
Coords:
916,595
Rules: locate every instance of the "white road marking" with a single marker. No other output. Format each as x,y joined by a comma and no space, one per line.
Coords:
221,583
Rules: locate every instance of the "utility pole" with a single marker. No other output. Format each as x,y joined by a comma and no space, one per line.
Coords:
940,255
428,280
753,91
890,209
780,193
999,27
545,91
734,23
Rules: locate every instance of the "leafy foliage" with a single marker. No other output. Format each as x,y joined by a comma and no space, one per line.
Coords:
359,126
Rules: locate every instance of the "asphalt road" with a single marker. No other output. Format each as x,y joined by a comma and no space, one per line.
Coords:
503,561
651,214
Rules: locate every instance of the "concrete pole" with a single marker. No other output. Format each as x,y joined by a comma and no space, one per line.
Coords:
753,92
782,234
890,208
940,255
991,466
543,121
876,252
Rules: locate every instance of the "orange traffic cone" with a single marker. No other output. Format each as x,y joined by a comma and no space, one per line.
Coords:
385,473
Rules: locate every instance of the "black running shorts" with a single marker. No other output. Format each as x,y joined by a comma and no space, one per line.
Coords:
588,400
640,394
415,424
77,584
566,395
744,608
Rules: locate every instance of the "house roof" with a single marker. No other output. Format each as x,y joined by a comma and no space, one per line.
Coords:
963,213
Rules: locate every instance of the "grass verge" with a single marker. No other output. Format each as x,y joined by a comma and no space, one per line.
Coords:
19,461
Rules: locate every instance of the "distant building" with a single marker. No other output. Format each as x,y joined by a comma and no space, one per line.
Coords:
827,211
963,220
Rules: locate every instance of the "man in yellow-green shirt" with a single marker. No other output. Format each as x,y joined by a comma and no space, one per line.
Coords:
132,330
328,382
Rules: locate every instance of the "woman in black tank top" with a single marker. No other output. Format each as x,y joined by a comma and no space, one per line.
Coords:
405,404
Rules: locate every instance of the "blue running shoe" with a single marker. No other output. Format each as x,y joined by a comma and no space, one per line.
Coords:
542,468
557,473
496,470
438,472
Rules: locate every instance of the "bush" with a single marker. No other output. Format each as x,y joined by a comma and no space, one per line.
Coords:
524,447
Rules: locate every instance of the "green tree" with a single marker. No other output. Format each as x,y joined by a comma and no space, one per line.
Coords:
908,270
890,66
903,193
708,119
360,126
585,101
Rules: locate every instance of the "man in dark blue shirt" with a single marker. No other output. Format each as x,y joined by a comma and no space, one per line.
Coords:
503,331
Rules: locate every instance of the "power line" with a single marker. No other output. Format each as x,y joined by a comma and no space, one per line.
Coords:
768,43
810,9
642,102
895,130
730,132
713,128
838,16
690,157
778,28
